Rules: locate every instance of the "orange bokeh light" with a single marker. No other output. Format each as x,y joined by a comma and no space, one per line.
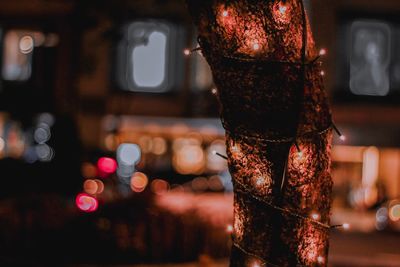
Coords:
139,182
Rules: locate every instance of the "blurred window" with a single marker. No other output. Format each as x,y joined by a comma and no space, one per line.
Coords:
150,57
370,58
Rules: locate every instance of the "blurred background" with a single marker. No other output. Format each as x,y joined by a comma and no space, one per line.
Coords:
108,127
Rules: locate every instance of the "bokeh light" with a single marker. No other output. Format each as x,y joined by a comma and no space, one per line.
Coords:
86,203
128,154
93,186
42,133
44,152
159,187
394,212
188,156
159,146
200,184
26,44
139,182
90,187
106,165
88,170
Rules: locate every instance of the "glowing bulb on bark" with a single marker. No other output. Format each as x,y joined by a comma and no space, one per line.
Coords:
342,137
256,46
186,52
346,226
229,228
315,216
282,9
322,73
225,13
322,52
320,259
300,154
214,91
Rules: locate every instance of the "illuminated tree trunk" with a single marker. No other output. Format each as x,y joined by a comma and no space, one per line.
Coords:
278,128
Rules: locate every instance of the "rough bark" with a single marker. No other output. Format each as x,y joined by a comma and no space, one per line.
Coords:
272,99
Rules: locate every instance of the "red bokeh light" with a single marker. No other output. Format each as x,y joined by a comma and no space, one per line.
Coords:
106,165
86,203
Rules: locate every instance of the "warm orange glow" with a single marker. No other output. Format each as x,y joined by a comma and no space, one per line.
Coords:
188,158
315,216
370,166
89,170
90,187
394,212
139,182
256,46
159,146
281,12
250,33
159,187
347,154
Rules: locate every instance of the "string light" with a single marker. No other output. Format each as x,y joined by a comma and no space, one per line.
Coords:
282,9
320,259
322,52
299,152
346,226
186,52
260,181
256,46
220,155
315,216
214,91
341,136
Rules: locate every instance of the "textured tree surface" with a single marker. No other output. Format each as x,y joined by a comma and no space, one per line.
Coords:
273,105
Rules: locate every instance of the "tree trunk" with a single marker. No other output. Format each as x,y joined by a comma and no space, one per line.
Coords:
278,128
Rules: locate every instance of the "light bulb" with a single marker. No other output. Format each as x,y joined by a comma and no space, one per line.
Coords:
225,13
282,9
322,73
300,154
320,259
342,137
346,226
256,46
186,52
322,52
315,216
214,91
229,228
